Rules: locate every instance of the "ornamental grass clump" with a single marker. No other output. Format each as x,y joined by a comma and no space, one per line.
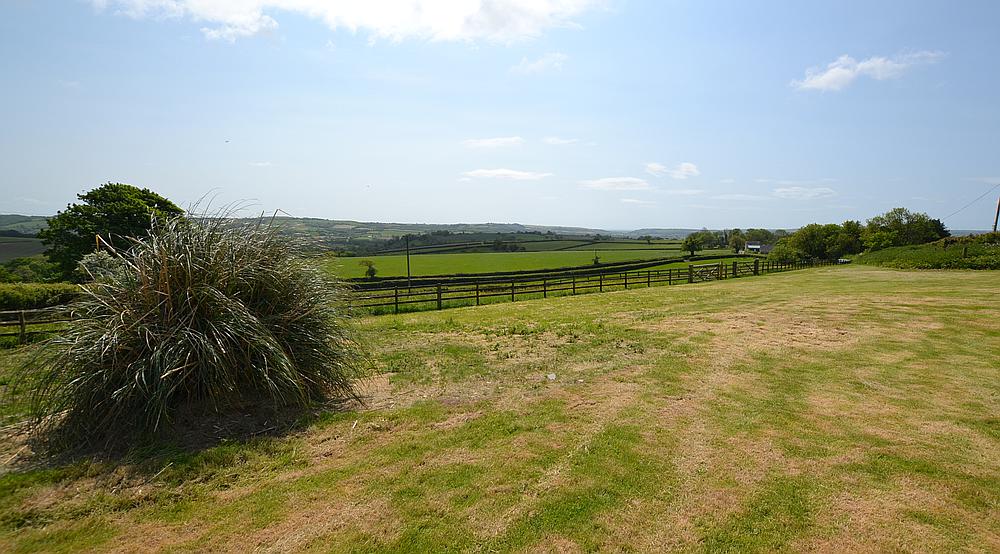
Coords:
207,316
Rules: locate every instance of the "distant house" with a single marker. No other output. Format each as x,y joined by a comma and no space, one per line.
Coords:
757,247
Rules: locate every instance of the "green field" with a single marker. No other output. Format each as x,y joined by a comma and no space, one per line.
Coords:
833,409
488,262
17,247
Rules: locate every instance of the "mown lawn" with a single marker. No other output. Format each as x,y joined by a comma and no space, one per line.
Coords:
840,408
487,262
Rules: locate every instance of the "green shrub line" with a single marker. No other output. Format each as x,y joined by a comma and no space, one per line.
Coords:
978,252
34,296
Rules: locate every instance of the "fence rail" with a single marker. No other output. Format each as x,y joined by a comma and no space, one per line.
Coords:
398,297
26,322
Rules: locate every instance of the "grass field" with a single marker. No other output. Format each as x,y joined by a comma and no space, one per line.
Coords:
833,409
18,247
487,262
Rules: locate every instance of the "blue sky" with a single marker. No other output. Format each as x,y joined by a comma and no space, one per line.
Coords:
614,114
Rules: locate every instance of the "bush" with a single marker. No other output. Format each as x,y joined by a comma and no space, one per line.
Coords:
211,316
971,252
33,296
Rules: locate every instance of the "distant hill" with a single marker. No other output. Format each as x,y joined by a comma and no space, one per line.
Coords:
24,224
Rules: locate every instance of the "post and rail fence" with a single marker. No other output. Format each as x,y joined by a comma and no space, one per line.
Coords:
26,323
398,297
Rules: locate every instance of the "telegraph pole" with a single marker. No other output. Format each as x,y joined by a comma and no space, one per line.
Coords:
407,237
997,216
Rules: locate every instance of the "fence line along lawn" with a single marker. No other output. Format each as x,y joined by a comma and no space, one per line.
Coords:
832,409
487,262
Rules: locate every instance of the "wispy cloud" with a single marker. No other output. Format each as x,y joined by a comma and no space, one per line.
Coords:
843,71
637,202
737,196
616,183
261,164
804,193
556,141
501,21
496,142
682,170
682,192
502,173
548,62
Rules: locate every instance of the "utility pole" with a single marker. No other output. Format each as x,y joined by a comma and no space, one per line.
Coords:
407,237
997,216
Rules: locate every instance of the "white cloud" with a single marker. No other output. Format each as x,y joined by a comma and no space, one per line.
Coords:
556,141
495,142
637,202
682,192
261,164
501,21
682,170
616,183
506,174
548,62
843,71
737,197
804,193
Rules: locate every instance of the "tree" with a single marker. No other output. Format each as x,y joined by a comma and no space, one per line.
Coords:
370,270
901,227
113,211
693,243
737,240
814,240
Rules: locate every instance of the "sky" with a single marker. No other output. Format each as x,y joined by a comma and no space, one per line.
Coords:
613,114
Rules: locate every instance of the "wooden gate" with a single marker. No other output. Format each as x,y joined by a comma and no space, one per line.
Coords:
704,272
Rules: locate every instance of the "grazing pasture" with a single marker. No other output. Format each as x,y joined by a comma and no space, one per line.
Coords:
19,247
838,408
488,262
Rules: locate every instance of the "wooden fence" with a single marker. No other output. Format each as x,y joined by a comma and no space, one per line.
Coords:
26,323
399,297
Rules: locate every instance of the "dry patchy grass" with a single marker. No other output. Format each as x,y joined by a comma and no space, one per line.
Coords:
838,409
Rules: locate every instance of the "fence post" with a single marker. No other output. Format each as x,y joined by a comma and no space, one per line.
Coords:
22,338
545,288
439,295
512,290
626,280
670,276
649,278
756,266
477,293
600,282
396,300
690,274
718,271
736,269
574,284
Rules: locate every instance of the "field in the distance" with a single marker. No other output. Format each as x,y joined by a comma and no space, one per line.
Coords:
833,409
18,247
487,262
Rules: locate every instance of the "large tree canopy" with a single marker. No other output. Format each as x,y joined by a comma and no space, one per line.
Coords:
112,211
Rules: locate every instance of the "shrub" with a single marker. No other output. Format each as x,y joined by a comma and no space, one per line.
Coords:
211,316
33,296
969,252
